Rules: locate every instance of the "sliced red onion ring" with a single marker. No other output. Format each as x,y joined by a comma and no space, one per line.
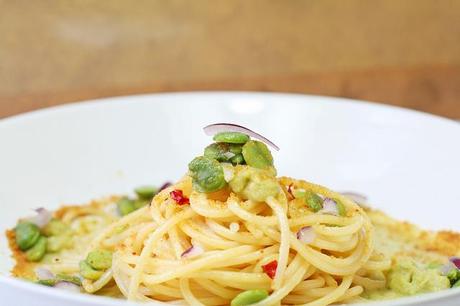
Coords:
357,197
306,234
192,252
165,185
42,218
43,273
456,261
213,129
330,207
68,286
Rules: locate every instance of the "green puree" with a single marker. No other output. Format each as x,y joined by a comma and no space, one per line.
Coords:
410,278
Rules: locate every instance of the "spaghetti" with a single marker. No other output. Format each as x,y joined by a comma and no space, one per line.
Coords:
148,262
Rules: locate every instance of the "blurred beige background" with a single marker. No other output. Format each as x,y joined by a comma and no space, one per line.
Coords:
398,52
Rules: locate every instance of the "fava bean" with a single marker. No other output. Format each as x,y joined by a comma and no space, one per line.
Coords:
140,203
88,272
341,208
47,282
207,174
38,251
314,201
146,192
125,206
99,259
55,227
221,151
231,137
27,235
257,155
68,278
249,297
238,159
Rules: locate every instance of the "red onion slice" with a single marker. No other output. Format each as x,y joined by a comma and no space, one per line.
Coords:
356,197
213,129
193,251
306,234
455,261
164,186
330,207
42,218
43,273
68,286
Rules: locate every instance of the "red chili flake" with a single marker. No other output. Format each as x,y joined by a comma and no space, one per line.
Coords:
270,268
179,197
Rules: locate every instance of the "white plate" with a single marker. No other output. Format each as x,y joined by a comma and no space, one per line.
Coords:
407,162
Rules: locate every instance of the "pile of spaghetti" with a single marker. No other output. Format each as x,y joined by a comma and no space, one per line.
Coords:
232,233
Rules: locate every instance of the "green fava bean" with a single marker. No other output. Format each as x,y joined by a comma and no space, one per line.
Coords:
231,137
99,259
237,159
140,203
222,151
314,201
88,272
257,155
341,208
47,282
146,192
68,278
55,227
207,174
456,284
27,235
125,206
38,251
249,297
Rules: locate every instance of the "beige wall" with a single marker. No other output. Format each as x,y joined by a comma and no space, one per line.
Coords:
399,52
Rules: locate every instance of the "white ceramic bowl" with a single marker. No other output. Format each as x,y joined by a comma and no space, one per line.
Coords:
407,162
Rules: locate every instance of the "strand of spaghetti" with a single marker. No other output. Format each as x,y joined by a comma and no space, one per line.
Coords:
148,246
173,235
382,265
368,283
340,231
199,263
324,244
142,235
295,273
105,278
201,204
284,243
205,239
315,218
247,216
336,266
310,295
309,284
243,237
334,295
137,215
233,279
217,289
187,293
